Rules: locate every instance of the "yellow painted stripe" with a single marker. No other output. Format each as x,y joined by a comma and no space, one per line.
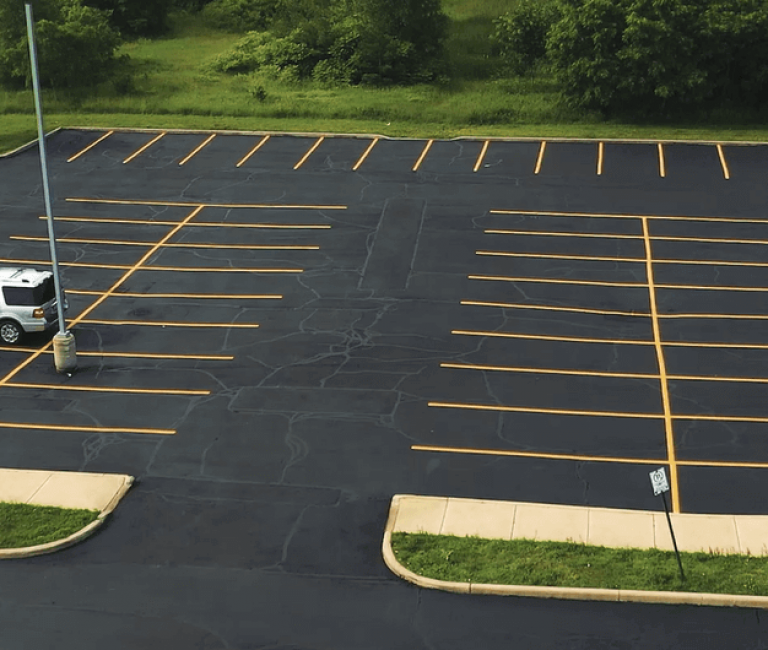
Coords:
90,146
64,427
718,316
118,242
245,158
544,337
362,158
105,389
540,158
528,409
723,164
553,256
587,283
607,215
599,158
197,149
481,157
200,224
662,165
423,155
309,153
537,454
549,233
192,269
669,432
143,148
584,457
694,344
89,321
192,204
738,380
575,310
712,263
128,355
721,418
550,371
227,296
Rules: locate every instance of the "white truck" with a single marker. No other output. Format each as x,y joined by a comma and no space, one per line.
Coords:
27,303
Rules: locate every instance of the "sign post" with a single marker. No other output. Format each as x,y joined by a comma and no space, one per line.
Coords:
661,487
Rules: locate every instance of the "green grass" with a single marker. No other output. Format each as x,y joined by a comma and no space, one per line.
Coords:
563,564
174,88
26,525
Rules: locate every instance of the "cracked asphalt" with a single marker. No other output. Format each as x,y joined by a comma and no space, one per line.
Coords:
258,523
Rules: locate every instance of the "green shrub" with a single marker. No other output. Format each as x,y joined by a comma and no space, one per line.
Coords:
520,35
240,15
134,18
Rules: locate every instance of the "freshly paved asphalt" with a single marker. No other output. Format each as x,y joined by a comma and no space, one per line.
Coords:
259,523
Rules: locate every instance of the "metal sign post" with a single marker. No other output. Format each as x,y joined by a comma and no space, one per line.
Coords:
661,487
64,352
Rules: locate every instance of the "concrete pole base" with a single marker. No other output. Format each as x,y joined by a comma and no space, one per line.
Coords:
64,352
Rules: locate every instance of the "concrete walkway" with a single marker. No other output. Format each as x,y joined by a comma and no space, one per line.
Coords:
744,534
100,492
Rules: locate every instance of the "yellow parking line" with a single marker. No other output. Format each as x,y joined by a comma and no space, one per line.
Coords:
362,158
599,158
90,146
192,204
423,155
710,287
550,371
481,156
720,418
554,256
586,283
715,378
713,263
89,321
608,215
309,153
540,158
181,269
543,337
142,149
536,454
244,159
718,316
573,310
104,389
584,457
706,344
665,401
227,296
128,355
550,233
200,224
662,166
197,149
528,409
723,164
118,242
64,427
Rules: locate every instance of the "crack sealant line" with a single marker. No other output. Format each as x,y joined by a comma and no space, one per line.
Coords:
668,428
104,296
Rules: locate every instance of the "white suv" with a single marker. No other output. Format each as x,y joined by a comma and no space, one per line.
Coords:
27,302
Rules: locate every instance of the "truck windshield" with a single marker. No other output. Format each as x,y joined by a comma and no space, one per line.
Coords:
30,296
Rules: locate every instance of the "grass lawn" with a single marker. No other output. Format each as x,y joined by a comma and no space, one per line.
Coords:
26,525
175,88
563,564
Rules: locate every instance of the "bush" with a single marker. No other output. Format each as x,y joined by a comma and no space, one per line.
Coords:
76,45
241,15
134,18
651,57
520,35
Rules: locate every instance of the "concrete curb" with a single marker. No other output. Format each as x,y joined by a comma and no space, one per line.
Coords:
564,593
74,538
29,145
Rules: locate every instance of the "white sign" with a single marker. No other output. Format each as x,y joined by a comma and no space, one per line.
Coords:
659,481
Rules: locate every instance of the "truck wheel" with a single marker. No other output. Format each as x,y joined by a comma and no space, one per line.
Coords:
10,332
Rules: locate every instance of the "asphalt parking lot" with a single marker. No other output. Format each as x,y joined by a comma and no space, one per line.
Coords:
278,333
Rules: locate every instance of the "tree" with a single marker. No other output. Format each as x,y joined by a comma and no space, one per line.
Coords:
521,34
135,17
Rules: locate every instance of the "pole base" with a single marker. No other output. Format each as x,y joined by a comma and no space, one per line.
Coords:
64,352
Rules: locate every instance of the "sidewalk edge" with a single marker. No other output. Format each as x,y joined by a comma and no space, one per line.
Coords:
564,593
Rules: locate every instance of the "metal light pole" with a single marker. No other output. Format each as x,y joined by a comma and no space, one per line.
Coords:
64,352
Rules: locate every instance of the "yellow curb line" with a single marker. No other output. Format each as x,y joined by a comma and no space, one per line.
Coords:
74,538
565,593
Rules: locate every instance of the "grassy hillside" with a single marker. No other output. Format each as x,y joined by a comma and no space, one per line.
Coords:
173,88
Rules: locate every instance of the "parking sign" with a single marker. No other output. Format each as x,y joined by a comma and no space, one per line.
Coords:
659,481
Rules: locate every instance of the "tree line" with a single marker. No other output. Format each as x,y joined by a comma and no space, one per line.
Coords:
619,57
